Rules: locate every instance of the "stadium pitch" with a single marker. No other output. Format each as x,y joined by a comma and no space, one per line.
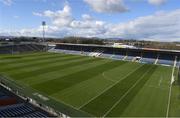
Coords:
94,86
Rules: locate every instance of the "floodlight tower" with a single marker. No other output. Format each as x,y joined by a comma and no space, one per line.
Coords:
43,25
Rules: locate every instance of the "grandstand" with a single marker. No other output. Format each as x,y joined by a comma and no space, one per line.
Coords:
10,104
151,56
14,106
14,48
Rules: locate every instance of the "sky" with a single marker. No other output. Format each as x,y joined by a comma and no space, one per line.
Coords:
157,20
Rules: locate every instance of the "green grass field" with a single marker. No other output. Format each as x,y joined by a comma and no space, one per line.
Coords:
94,86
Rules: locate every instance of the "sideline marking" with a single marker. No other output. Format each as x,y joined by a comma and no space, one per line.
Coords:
160,81
170,90
129,90
109,87
107,78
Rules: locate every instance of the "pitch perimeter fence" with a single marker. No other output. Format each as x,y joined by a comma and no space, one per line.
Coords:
38,99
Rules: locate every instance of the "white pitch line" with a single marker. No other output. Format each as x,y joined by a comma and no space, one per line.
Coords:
170,91
55,99
151,86
160,81
107,78
125,94
108,88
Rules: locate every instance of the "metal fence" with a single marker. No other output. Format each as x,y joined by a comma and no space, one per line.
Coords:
55,107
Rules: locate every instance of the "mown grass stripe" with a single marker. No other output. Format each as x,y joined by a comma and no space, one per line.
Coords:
59,64
36,63
114,76
61,72
58,105
23,60
56,85
6,56
100,105
18,56
125,100
123,77
170,91
127,105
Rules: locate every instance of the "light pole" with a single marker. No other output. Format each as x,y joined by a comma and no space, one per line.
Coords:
43,25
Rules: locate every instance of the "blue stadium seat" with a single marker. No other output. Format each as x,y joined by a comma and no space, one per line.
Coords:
106,55
148,60
15,110
165,62
118,57
4,97
129,58
35,114
178,63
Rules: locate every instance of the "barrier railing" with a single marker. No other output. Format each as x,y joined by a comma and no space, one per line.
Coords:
39,99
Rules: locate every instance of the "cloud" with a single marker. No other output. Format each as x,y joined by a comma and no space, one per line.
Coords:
50,31
87,17
107,6
60,18
87,26
87,22
7,2
37,14
63,19
163,26
157,2
16,17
